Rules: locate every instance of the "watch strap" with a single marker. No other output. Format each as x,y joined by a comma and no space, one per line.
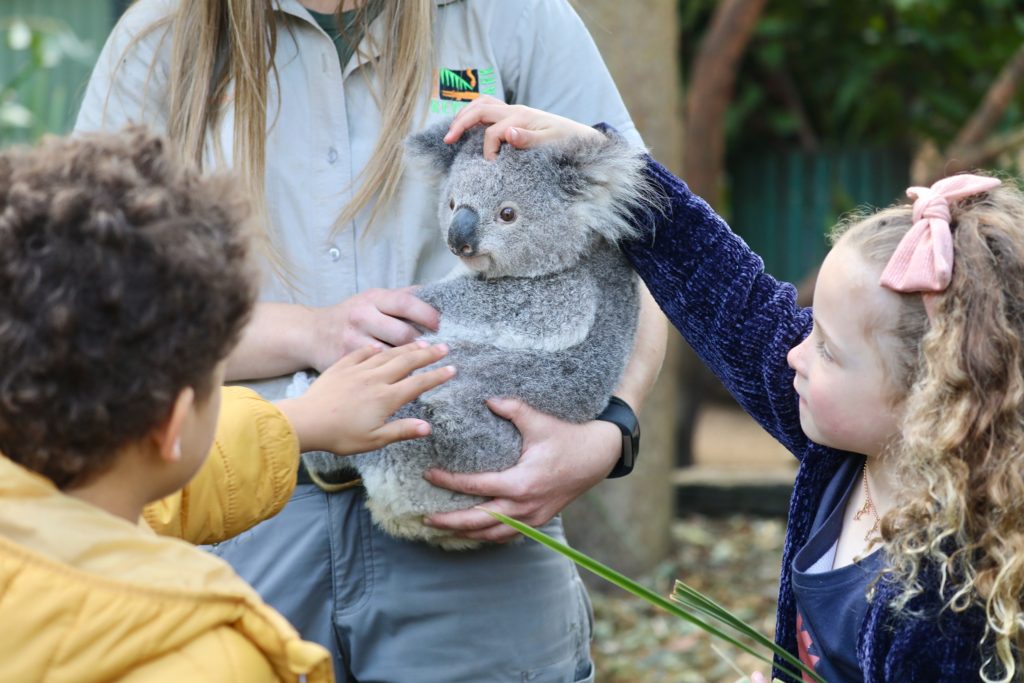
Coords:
621,415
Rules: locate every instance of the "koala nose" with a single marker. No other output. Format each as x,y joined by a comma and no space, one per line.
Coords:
462,235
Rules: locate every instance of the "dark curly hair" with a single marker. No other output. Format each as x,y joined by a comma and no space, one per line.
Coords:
125,278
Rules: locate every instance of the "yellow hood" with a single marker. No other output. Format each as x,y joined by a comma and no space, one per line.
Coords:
86,596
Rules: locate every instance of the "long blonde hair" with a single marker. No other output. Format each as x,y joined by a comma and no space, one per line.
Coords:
960,460
217,43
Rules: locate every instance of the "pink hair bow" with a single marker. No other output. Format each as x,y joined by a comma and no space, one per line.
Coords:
923,260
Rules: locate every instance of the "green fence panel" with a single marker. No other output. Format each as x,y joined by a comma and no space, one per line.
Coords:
784,202
54,95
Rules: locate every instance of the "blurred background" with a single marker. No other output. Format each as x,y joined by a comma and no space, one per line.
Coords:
784,115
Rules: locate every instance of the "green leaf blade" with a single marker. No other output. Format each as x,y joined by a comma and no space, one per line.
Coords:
690,597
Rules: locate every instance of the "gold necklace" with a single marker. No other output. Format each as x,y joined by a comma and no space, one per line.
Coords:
868,506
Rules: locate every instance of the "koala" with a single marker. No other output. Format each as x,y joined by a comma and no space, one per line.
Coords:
543,308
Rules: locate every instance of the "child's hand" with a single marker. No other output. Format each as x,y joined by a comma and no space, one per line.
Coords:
518,125
346,410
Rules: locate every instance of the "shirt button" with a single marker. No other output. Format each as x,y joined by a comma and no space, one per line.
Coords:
332,155
334,253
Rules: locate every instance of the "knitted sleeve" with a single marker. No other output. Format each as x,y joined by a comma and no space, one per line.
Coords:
740,321
922,643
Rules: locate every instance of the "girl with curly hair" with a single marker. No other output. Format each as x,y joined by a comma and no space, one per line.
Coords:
901,393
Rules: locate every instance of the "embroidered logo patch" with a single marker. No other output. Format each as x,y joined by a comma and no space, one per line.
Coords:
455,88
458,85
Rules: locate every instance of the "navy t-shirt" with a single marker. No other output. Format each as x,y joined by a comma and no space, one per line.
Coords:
831,604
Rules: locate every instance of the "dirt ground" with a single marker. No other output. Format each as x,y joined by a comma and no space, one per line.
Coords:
735,561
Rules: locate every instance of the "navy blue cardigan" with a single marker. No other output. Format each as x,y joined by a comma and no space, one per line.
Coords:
742,322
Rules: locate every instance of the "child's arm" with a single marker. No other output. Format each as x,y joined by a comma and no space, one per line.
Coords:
250,472
741,321
247,477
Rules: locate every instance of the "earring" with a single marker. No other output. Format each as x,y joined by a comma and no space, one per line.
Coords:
176,450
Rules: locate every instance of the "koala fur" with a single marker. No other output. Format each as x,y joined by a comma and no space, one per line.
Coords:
543,308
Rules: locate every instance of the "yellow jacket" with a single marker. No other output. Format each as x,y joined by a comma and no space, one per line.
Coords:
86,596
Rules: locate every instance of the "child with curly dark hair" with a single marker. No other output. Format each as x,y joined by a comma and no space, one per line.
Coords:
126,281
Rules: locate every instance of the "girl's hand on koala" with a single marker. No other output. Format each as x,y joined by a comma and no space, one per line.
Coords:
348,408
518,125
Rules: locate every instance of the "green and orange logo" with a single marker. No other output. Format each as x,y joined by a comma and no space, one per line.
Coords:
455,88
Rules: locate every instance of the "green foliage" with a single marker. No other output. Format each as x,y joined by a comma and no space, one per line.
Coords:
686,603
36,47
450,79
880,71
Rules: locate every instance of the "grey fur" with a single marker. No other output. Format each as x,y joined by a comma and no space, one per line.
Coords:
544,311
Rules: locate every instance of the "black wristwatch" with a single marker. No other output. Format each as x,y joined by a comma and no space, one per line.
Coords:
621,415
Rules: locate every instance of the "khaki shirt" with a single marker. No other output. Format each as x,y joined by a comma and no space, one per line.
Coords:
324,122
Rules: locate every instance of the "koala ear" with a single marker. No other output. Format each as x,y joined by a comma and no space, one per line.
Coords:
604,178
428,148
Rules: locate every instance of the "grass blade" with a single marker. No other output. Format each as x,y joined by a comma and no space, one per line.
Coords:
687,597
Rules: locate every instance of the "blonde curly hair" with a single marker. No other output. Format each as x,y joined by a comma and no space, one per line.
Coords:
959,463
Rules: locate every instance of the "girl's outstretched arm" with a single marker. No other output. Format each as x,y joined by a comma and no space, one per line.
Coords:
741,321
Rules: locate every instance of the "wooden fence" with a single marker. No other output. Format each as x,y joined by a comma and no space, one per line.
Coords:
785,202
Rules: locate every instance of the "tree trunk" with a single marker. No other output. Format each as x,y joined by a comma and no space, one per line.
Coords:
993,105
710,92
625,522
711,82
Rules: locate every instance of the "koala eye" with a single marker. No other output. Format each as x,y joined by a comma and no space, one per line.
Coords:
451,204
507,214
